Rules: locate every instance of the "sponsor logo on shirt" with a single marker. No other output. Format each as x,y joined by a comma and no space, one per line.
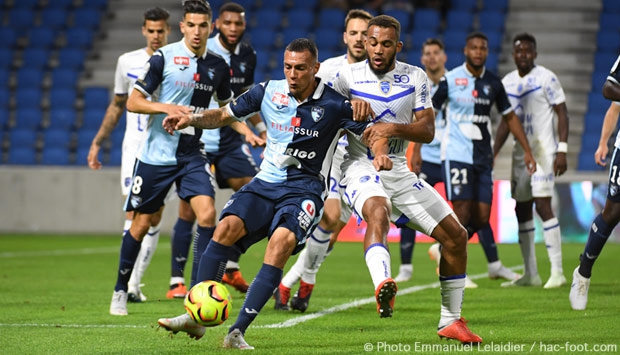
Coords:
280,99
461,81
181,61
296,121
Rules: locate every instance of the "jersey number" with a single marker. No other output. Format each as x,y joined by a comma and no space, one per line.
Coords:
136,187
459,177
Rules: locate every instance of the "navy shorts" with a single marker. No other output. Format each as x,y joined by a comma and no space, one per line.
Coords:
152,182
236,163
296,205
431,173
468,181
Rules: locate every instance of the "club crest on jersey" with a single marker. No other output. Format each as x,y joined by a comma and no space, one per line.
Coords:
228,203
385,86
487,90
281,100
211,73
242,67
317,113
181,61
613,190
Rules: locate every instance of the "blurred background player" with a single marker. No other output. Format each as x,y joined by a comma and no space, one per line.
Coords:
608,219
404,107
426,158
129,67
469,91
226,149
538,99
335,214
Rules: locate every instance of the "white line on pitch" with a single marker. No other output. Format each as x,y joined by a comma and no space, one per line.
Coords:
301,319
72,325
62,252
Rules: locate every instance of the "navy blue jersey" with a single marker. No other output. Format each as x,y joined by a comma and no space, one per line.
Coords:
301,136
467,138
242,63
614,74
175,75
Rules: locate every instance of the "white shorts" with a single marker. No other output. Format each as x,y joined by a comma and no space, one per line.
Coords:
335,192
415,203
525,187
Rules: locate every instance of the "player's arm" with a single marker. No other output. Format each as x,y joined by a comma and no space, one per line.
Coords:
515,127
559,166
139,103
609,126
208,119
422,130
381,159
258,123
110,120
500,137
251,138
415,160
611,90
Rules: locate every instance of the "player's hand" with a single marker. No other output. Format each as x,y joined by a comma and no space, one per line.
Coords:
175,123
600,156
254,140
93,160
559,166
382,162
416,163
530,163
375,132
362,110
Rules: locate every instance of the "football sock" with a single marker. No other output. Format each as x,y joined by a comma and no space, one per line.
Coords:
316,248
553,241
527,245
147,249
378,261
126,226
231,265
180,242
233,258
129,252
294,273
213,262
407,243
201,240
451,298
259,293
599,233
487,240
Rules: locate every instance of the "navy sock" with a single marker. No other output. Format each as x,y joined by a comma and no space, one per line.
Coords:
261,290
487,240
201,240
128,255
407,243
212,263
180,242
599,233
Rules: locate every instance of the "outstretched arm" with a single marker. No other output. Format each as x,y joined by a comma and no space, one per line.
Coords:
214,118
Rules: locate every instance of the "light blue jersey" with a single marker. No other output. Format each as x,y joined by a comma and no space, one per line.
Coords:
175,75
431,152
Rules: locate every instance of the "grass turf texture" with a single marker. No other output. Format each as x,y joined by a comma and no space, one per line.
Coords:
55,293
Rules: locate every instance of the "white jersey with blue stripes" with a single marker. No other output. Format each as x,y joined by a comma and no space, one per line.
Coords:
129,67
301,135
532,98
394,97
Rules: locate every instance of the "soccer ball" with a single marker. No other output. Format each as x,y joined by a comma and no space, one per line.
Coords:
208,303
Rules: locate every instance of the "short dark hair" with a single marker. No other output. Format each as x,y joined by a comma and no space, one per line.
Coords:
156,14
197,7
433,42
231,7
476,34
356,13
303,44
524,37
386,21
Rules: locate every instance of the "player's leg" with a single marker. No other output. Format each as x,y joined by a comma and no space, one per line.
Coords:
525,218
553,241
204,208
407,244
180,244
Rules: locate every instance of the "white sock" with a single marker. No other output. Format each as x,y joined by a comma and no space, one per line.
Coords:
528,248
294,273
378,262
553,241
451,300
232,265
177,280
316,249
494,266
147,250
126,225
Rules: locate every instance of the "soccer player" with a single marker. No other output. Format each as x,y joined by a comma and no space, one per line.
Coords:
180,78
226,150
399,94
130,66
335,217
469,91
608,219
284,201
538,100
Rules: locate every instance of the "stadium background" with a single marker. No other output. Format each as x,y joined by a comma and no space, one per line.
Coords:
57,62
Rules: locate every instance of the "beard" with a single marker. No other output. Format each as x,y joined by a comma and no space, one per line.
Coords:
227,43
386,68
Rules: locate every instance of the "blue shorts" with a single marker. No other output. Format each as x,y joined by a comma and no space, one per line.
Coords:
235,163
296,205
613,189
152,182
431,173
468,182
